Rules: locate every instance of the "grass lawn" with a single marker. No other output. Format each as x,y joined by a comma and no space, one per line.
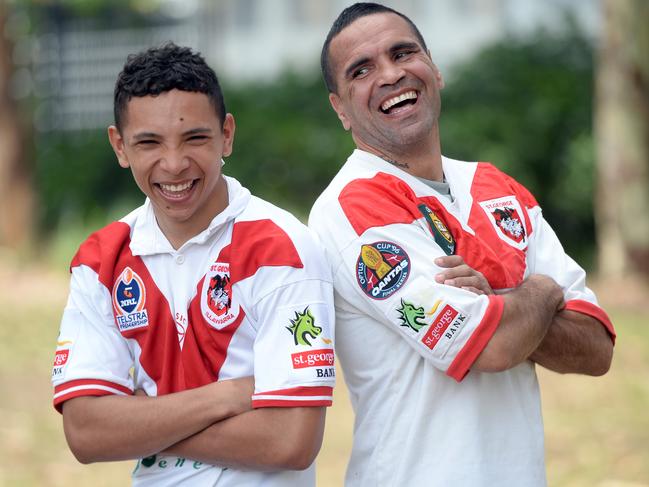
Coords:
597,430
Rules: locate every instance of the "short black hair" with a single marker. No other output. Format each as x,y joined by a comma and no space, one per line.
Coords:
165,68
346,17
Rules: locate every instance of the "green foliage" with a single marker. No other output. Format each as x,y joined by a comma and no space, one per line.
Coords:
288,142
526,106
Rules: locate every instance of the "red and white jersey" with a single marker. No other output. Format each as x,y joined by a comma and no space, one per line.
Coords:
407,343
249,296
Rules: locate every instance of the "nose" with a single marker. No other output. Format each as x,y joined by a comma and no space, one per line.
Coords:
174,162
390,73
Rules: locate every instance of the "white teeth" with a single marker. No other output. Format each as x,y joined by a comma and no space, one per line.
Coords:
410,95
176,188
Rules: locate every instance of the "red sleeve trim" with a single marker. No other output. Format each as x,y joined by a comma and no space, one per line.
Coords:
275,403
86,387
304,396
590,309
299,391
92,382
459,368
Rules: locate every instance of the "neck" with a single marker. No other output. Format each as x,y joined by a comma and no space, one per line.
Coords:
179,231
424,163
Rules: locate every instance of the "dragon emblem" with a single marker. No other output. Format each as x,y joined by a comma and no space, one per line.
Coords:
218,294
507,219
302,325
410,315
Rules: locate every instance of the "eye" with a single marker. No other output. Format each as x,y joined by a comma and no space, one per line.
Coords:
360,72
197,139
402,54
146,143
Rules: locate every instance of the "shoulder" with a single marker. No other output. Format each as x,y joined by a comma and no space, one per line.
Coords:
102,248
489,180
266,235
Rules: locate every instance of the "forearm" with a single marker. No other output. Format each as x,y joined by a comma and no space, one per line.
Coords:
527,314
575,343
262,439
111,428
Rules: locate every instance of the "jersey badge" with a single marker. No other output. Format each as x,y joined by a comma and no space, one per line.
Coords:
411,315
129,298
303,327
444,327
508,220
218,305
440,231
381,269
61,358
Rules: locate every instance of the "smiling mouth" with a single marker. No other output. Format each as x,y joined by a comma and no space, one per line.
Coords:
176,191
404,99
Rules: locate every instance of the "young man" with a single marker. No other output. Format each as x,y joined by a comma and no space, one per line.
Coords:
441,378
214,307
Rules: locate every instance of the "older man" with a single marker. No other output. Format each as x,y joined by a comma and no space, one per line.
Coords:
441,370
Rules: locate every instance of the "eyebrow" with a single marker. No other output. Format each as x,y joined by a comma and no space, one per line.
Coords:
404,45
198,130
356,64
145,135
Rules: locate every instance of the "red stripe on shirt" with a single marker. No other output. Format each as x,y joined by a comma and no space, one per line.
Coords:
94,382
277,403
259,243
590,309
479,339
302,391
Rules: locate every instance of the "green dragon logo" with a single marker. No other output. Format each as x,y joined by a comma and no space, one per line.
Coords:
303,325
410,315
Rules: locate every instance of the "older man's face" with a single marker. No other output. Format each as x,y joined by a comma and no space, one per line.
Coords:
387,85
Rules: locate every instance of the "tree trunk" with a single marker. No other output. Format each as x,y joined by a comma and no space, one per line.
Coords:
16,192
622,132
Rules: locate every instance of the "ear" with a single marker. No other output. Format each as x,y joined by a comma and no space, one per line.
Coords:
117,143
228,134
337,105
438,75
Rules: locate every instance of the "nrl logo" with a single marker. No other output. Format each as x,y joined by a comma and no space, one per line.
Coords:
410,315
303,325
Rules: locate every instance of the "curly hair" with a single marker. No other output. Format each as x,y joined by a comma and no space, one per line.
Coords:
346,18
161,69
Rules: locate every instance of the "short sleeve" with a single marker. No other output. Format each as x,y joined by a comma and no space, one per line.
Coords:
92,358
294,346
388,273
545,255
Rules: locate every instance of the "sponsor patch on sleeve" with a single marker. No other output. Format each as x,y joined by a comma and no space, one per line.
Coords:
381,269
431,321
61,357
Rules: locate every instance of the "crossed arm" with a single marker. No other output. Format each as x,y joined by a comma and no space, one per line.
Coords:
213,424
535,326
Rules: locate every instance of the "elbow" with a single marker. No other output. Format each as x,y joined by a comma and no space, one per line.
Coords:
601,364
79,449
297,457
496,359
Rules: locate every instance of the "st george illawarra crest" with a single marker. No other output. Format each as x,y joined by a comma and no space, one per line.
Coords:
508,220
219,306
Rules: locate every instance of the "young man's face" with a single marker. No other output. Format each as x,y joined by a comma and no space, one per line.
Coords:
387,85
173,144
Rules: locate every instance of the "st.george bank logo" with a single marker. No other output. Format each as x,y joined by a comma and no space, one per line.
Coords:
381,269
323,357
129,298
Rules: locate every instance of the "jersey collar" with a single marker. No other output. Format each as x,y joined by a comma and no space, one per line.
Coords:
148,239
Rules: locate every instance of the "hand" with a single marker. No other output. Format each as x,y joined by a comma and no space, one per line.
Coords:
239,393
459,274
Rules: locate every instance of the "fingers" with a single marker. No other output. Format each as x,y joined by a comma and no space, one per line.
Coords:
449,261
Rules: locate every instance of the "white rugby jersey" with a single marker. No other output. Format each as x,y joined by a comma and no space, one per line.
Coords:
407,343
250,295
